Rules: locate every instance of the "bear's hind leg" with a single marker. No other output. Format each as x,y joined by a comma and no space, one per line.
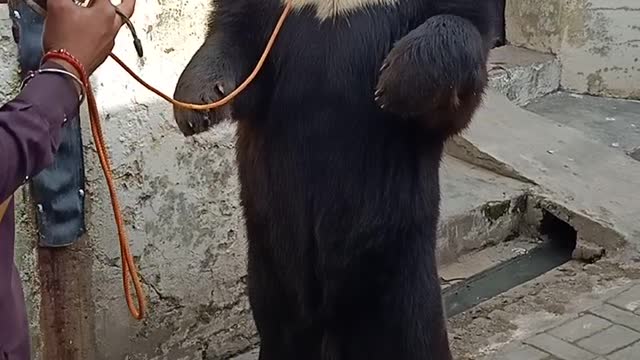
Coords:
410,327
267,300
278,288
384,301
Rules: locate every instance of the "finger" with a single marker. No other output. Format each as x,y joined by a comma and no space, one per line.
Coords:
127,7
125,11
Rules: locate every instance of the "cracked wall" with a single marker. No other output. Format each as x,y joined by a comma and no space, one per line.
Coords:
179,197
597,41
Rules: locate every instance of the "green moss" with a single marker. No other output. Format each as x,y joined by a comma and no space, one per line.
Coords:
496,210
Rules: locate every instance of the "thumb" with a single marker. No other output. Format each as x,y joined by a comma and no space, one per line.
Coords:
127,7
125,11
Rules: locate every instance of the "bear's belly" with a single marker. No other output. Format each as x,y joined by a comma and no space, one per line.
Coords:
332,154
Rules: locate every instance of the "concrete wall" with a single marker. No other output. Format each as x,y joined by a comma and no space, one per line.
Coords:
597,41
180,200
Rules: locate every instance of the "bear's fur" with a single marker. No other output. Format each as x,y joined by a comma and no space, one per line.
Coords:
339,145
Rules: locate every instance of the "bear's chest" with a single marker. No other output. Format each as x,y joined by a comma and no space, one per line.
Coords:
325,9
328,68
340,54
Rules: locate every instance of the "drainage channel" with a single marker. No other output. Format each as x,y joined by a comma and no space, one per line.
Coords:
556,249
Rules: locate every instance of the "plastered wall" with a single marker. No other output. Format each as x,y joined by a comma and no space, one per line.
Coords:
597,41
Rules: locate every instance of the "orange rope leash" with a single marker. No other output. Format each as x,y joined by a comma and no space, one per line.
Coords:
128,265
233,94
129,269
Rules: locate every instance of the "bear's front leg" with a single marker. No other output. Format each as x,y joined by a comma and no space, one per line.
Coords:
436,74
215,70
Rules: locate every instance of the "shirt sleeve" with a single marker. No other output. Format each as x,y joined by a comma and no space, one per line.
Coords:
30,127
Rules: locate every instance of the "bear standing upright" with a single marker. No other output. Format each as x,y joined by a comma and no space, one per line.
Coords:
340,139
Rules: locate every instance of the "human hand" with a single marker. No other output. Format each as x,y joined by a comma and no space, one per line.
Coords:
87,33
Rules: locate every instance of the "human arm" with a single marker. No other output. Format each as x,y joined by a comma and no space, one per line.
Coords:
30,127
30,124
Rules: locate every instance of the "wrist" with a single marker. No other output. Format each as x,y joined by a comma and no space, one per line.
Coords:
70,68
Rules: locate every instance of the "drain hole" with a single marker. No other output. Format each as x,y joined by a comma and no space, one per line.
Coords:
558,242
558,234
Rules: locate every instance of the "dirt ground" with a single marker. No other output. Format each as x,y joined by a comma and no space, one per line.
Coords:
534,306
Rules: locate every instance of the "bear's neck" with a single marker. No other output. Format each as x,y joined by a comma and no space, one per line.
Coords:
331,8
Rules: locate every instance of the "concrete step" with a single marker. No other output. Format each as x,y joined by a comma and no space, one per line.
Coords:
612,122
580,179
479,208
523,75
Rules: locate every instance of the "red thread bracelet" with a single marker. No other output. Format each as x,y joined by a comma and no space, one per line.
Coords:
72,60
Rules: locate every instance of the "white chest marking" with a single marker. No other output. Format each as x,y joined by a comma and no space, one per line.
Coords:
330,8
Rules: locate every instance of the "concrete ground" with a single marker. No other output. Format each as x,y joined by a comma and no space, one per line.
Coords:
610,330
576,312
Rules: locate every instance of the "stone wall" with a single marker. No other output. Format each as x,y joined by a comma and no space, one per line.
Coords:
597,41
180,200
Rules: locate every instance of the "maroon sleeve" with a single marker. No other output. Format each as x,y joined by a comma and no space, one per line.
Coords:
30,127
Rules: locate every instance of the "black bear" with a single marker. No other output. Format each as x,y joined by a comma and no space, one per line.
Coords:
339,144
